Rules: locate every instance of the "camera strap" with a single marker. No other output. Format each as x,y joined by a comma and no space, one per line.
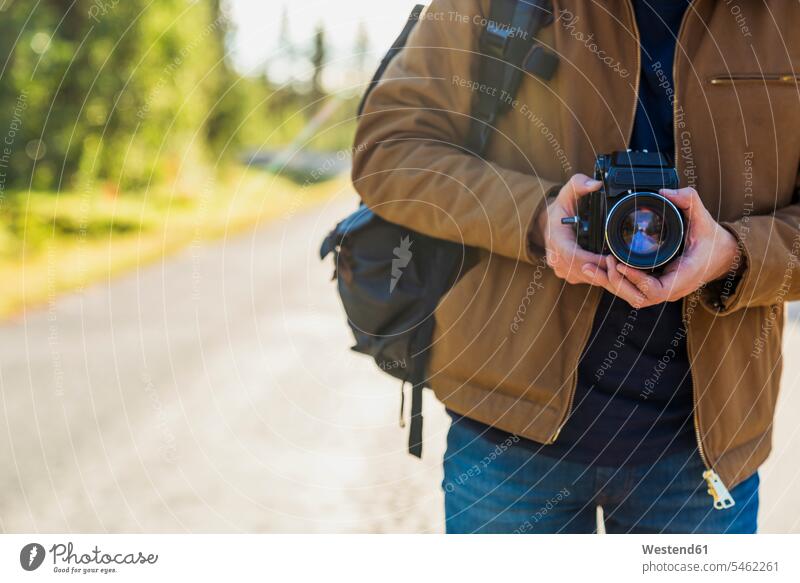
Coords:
508,48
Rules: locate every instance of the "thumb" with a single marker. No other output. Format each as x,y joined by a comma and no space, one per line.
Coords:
580,185
687,200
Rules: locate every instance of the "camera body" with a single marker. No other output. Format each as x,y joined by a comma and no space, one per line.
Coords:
628,217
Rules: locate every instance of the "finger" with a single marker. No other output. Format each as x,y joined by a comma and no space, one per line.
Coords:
622,287
552,256
644,282
580,185
595,275
566,249
687,200
579,256
674,282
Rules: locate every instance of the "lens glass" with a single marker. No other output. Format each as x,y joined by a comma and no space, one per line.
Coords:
643,230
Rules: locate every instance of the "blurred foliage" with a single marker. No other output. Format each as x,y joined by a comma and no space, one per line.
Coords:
131,93
57,243
115,90
121,129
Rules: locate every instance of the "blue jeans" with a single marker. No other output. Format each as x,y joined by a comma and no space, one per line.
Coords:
508,488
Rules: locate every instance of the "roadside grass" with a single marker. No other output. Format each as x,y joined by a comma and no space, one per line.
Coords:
51,244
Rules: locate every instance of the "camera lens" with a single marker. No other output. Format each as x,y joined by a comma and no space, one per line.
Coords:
644,230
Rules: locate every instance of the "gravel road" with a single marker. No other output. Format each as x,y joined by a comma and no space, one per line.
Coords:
214,392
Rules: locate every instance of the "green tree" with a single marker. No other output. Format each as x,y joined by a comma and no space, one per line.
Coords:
318,59
361,49
286,49
116,91
229,108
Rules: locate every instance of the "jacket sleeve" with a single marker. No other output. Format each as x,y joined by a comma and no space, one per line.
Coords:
770,272
407,164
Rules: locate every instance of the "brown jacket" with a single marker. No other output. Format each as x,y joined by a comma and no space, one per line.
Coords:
510,333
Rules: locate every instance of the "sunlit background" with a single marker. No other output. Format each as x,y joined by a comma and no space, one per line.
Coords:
156,105
267,34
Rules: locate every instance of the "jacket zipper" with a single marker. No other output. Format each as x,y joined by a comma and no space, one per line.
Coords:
716,489
573,389
754,78
574,382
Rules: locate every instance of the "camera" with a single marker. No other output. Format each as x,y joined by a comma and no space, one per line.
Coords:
627,217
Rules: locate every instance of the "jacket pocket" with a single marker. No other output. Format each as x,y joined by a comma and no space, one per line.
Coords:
758,78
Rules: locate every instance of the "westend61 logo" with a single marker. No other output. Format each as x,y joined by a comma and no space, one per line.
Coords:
66,560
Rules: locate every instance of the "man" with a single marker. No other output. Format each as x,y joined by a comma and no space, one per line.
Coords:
573,380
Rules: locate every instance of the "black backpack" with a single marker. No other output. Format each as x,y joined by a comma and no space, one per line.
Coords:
391,278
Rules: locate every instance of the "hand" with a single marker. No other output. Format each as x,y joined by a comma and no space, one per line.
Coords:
563,254
709,253
568,260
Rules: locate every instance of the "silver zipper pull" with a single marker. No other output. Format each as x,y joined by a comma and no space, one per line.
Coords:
718,491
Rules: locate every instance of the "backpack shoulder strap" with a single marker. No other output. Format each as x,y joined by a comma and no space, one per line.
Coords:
507,44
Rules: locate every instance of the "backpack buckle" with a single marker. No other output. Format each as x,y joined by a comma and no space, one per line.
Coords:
540,62
495,40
